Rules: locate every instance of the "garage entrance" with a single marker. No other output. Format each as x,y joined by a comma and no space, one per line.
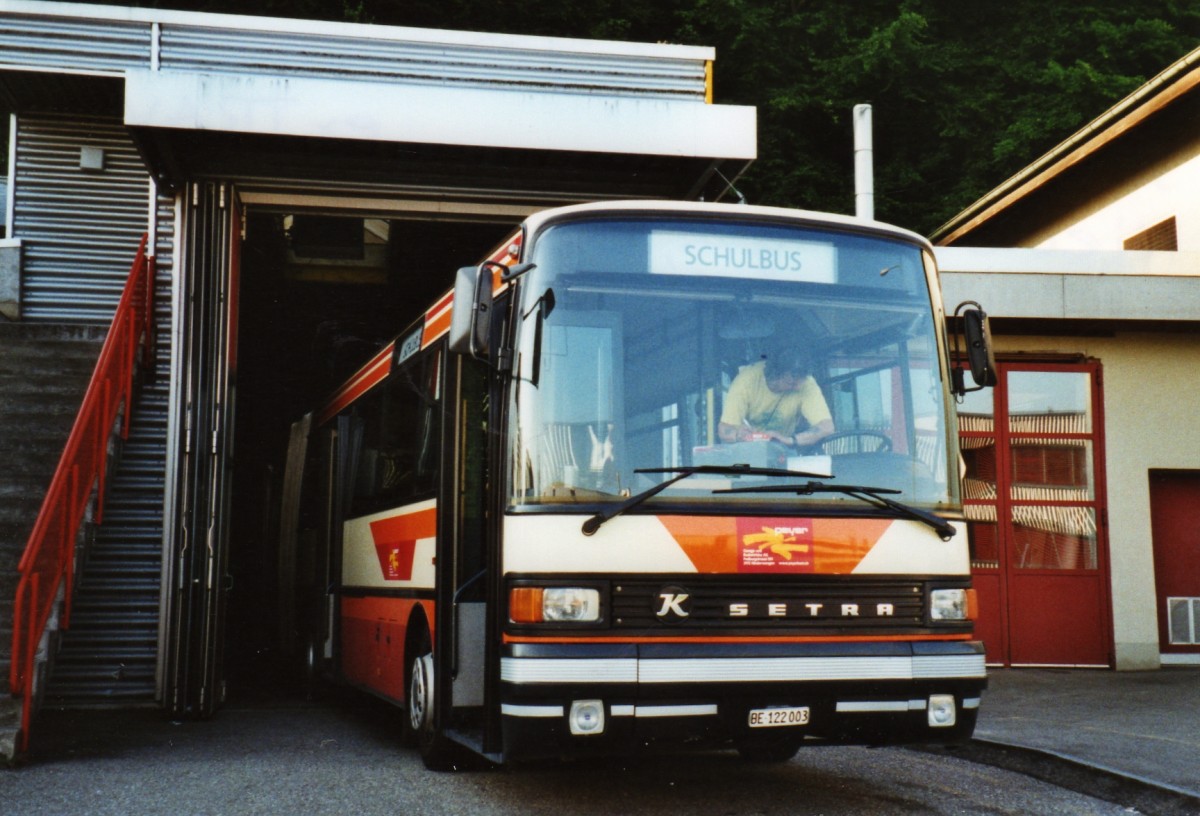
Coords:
283,303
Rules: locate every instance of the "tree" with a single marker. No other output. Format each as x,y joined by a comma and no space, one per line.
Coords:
965,94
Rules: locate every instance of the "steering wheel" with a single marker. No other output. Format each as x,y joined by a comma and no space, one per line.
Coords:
885,441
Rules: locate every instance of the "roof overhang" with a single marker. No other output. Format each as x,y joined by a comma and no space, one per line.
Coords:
468,117
549,147
1067,285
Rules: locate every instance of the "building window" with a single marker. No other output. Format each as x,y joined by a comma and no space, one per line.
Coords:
1160,236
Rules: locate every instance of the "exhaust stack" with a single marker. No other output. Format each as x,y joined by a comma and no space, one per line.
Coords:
864,170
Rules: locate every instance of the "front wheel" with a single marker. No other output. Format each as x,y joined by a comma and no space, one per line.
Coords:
436,751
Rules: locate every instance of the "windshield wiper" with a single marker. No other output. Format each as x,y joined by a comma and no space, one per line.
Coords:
871,495
592,524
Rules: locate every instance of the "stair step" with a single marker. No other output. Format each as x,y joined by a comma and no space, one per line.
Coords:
141,557
104,563
110,630
134,523
83,694
143,444
120,667
123,678
131,607
97,580
126,636
146,544
118,527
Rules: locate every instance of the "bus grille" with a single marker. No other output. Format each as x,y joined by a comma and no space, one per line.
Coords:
803,604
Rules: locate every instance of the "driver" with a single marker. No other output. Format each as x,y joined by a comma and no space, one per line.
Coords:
770,398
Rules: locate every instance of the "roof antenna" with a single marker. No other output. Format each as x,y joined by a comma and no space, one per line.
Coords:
729,184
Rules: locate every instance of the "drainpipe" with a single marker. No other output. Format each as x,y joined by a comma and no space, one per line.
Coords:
864,171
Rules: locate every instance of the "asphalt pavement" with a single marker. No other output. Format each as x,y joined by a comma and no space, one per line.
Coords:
1130,737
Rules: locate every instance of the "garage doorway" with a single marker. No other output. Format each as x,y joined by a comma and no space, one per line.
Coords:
1034,496
1174,496
305,296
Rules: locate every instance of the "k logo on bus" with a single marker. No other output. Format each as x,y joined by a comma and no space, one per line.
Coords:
674,604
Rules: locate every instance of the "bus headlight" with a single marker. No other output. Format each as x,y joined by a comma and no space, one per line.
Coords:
554,605
952,605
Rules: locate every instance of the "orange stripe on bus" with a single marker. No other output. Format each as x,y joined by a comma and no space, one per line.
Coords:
379,608
436,324
367,378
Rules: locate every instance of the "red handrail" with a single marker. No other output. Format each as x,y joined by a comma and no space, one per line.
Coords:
48,564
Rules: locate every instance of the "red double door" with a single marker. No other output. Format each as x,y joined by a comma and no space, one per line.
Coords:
1034,496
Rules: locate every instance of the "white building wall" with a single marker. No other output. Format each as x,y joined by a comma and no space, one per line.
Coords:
1151,202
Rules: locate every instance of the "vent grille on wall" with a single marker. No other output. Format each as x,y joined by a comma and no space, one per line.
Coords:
1183,615
1161,236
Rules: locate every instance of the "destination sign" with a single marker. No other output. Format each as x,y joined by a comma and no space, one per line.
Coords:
730,256
409,346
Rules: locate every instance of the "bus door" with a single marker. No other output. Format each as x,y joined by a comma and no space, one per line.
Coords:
466,591
197,595
313,501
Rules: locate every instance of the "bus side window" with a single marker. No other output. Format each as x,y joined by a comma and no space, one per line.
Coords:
398,457
428,441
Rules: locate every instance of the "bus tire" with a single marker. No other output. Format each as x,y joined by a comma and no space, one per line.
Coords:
436,751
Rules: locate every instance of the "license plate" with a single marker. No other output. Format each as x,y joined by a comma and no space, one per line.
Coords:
776,717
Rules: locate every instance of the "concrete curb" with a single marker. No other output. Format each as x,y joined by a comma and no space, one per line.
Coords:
1145,795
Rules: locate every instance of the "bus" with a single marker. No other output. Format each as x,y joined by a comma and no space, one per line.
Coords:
537,522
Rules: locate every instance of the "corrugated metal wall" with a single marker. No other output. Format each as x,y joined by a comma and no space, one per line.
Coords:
213,50
74,44
79,228
167,41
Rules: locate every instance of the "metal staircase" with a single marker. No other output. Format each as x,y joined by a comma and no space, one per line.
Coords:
118,629
108,655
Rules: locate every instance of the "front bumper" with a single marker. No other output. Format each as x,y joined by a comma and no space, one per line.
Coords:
680,694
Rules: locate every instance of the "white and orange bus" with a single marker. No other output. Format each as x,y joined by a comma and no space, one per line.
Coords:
526,520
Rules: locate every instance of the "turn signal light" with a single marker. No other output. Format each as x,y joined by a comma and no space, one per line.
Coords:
525,605
553,604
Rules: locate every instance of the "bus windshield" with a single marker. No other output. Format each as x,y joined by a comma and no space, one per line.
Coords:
647,344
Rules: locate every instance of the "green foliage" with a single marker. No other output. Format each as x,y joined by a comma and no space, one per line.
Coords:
965,93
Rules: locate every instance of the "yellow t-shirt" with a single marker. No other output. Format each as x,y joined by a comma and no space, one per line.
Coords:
749,398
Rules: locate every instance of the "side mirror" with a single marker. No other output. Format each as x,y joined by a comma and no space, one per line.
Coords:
471,314
981,359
